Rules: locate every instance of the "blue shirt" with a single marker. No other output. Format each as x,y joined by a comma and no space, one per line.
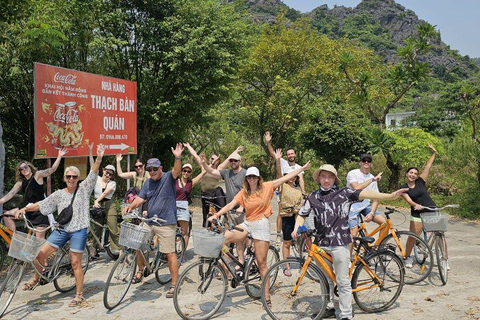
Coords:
160,197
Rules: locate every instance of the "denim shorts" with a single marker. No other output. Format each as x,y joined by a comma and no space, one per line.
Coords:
183,212
78,239
353,219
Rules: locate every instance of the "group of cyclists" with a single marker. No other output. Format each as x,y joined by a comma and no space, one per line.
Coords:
247,199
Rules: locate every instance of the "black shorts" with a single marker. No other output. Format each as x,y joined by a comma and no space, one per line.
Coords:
37,219
288,224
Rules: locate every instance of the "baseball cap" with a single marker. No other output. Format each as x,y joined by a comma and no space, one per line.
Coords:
252,171
154,163
365,156
110,167
235,156
187,165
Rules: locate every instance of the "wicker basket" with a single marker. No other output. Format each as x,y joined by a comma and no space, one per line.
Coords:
434,221
207,243
25,247
133,236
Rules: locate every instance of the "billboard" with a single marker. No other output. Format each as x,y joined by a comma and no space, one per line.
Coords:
74,109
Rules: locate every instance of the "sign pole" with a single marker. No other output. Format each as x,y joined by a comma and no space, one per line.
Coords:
49,178
128,170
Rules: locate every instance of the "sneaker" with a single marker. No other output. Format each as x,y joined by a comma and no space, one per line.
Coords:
329,313
408,262
448,265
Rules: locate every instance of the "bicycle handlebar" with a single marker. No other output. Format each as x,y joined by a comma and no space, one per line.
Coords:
154,219
30,226
441,208
209,198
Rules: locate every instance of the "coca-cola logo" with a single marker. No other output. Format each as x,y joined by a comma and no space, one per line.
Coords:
71,116
66,79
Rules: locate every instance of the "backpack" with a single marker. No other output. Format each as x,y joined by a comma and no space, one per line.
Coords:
131,194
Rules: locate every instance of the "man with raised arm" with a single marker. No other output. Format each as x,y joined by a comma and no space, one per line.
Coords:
159,192
286,166
362,179
234,178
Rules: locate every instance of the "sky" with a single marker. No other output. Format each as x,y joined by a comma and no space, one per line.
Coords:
458,21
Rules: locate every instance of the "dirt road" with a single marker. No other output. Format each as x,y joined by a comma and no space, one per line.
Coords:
459,299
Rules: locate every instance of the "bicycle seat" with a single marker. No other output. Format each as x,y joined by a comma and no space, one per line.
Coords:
365,240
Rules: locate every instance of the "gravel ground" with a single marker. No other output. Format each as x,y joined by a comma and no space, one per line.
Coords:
459,299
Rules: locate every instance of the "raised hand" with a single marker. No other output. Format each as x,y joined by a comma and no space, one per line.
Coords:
268,137
177,152
278,154
119,157
62,152
90,146
432,148
379,176
239,149
306,166
202,158
399,192
100,150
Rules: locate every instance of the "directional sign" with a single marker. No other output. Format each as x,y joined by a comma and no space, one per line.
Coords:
74,109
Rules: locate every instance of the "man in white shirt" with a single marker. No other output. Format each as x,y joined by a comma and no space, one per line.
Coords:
362,179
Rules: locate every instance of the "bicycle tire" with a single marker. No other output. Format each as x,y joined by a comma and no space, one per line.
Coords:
179,246
5,259
441,253
389,269
200,290
120,279
10,285
253,282
64,277
421,253
162,272
107,245
309,301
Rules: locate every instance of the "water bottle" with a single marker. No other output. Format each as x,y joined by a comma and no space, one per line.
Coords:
278,195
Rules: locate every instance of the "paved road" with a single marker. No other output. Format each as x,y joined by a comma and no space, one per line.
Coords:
459,299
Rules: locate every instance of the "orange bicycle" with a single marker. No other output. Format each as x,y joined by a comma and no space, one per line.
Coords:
377,281
6,235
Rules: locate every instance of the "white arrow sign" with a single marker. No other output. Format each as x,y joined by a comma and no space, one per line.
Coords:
122,146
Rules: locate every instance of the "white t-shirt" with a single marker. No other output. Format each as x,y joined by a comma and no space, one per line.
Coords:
358,176
285,165
97,191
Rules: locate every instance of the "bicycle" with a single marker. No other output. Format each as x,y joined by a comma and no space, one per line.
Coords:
104,240
24,250
213,208
6,235
202,286
436,224
397,240
135,239
377,281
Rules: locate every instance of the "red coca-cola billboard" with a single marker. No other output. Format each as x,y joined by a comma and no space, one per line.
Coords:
74,109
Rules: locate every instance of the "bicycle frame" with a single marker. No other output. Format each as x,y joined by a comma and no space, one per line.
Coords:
6,233
104,229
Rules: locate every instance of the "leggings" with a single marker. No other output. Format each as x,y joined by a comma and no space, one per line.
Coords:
218,192
110,212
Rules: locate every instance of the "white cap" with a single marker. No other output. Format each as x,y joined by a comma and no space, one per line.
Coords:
252,171
187,165
110,167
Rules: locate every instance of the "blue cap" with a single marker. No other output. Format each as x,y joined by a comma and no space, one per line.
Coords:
153,163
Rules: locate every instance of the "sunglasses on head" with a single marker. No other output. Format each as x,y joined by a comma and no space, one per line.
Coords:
187,171
23,167
139,166
233,160
152,169
367,161
71,177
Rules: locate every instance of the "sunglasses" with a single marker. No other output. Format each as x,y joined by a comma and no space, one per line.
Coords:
23,167
139,167
251,177
108,173
367,161
233,160
71,177
187,171
152,169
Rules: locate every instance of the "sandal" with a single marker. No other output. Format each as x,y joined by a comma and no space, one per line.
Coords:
30,285
75,302
170,292
138,279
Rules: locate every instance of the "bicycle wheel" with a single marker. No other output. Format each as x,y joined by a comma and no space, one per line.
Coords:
10,285
5,260
253,282
308,302
119,279
369,294
179,246
441,253
162,272
64,277
200,290
111,253
421,254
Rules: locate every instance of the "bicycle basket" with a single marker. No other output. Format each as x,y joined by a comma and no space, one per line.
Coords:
133,236
207,243
434,221
25,247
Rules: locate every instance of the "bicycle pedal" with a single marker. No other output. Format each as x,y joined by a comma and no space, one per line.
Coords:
41,282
